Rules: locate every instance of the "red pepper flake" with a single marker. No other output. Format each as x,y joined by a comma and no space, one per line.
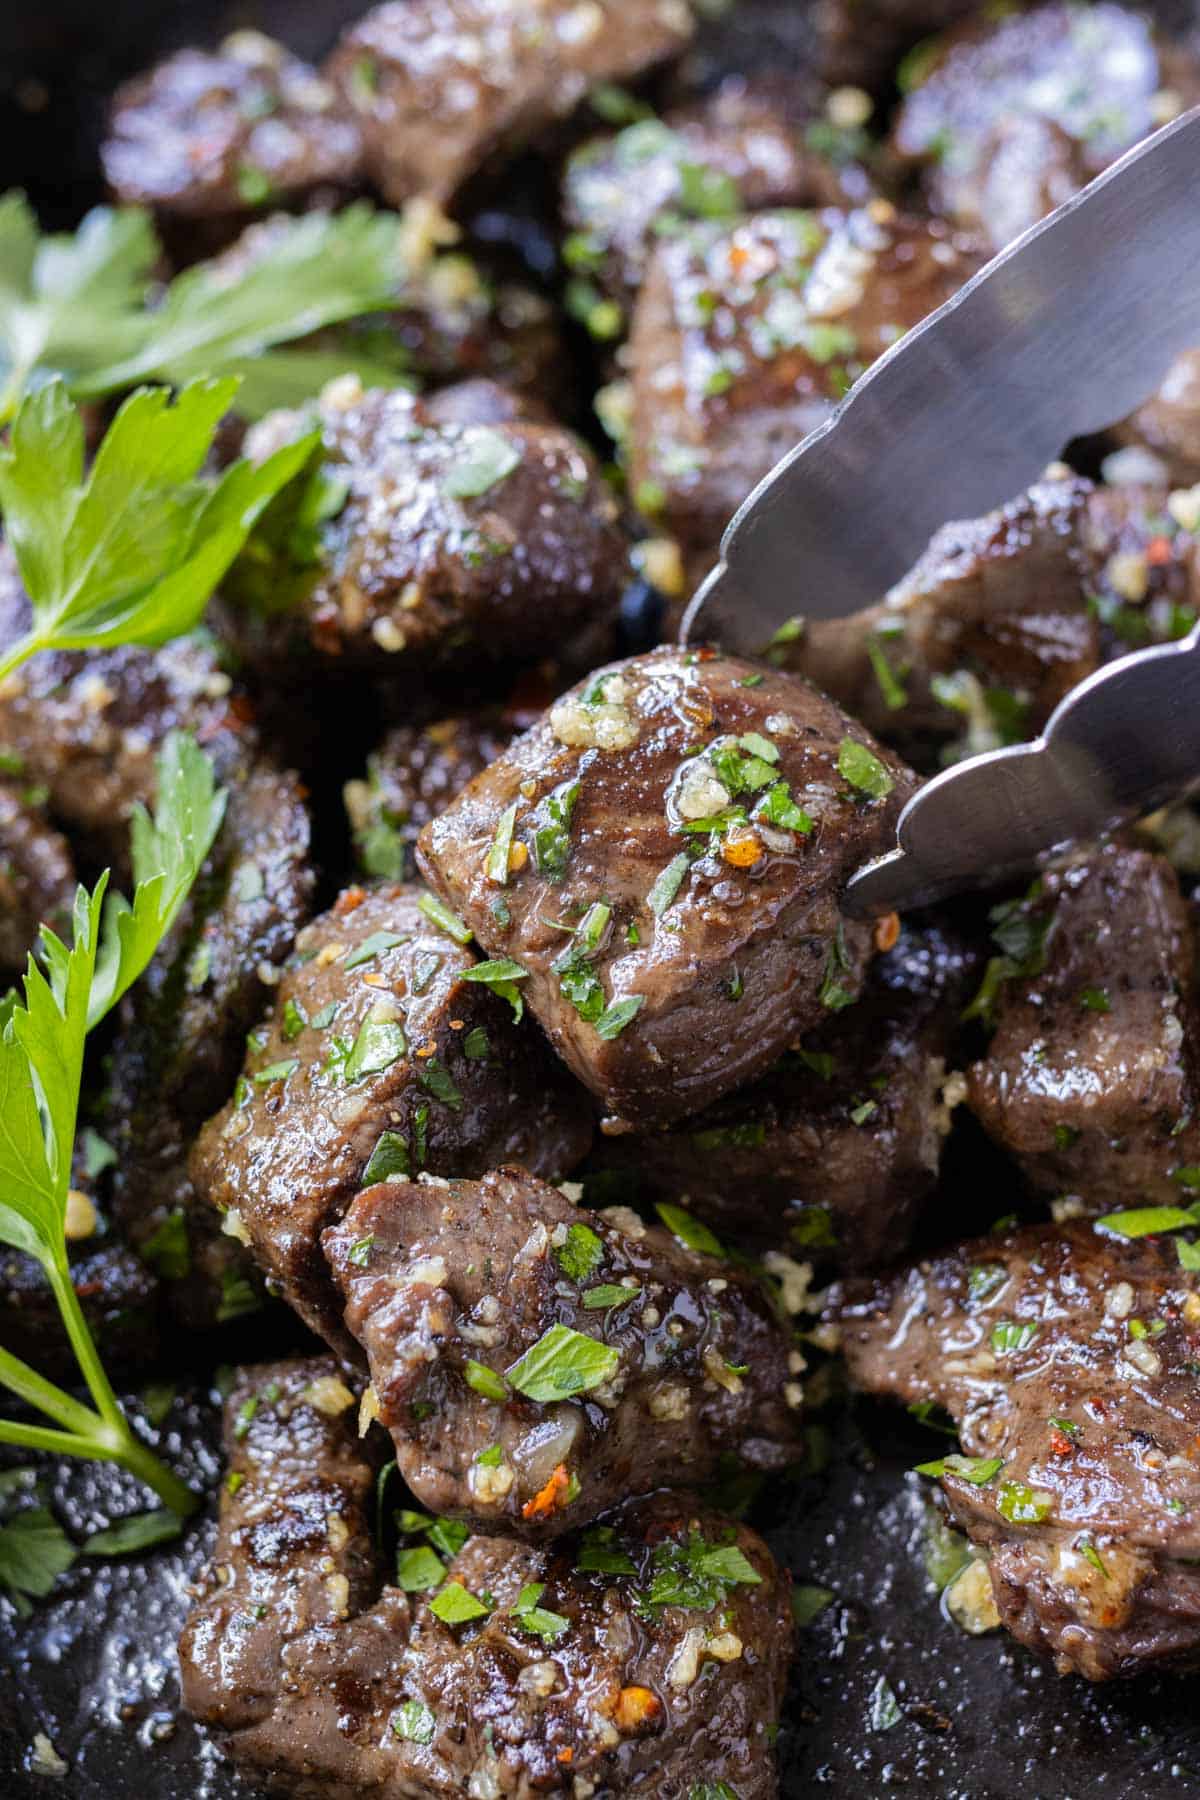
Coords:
566,1754
1158,551
550,1498
349,901
1060,1443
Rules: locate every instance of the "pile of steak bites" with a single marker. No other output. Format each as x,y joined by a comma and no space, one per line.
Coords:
514,1036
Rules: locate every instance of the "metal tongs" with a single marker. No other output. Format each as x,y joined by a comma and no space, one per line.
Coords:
1067,330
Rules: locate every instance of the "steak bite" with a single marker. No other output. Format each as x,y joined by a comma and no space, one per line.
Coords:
535,1369
87,726
412,777
383,1053
1168,424
738,150
833,1151
650,1652
983,637
182,1038
442,88
662,855
746,334
1016,114
218,136
441,543
1090,1077
1067,1358
37,876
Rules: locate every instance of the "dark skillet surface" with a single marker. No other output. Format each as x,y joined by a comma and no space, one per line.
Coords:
94,1667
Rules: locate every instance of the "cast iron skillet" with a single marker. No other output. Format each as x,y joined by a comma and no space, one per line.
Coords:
94,1668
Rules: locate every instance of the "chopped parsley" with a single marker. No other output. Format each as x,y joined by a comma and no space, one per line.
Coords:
294,1021
668,884
1008,1335
863,770
371,947
501,975
419,1569
978,1470
562,1362
1145,1221
837,962
496,864
617,1015
484,1381
380,1043
552,831
484,460
444,919
697,1575
1022,1505
608,1295
455,1605
549,1626
414,1722
581,1253
599,1554
276,1071
388,1158
436,1081
691,1233
476,1045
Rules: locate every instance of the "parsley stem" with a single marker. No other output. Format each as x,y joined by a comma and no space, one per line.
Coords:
42,1437
82,1343
20,652
35,1390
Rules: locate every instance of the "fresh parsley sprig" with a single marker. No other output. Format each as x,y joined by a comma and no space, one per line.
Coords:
130,552
78,306
42,1047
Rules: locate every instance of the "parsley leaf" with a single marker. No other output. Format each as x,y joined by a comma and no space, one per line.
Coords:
130,552
581,1253
34,1552
322,268
863,770
697,1574
549,1626
561,1363
42,1045
501,975
455,1605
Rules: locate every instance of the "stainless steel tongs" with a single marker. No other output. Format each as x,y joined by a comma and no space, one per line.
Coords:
1066,331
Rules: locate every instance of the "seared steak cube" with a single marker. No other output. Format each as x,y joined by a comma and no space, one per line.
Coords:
536,1365
411,778
1067,1359
442,88
831,1154
662,855
984,636
443,543
1090,1077
736,151
182,1039
220,136
860,39
37,875
383,1053
1168,424
649,1653
1016,114
747,332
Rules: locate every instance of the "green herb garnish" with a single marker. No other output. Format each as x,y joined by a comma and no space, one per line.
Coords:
562,1362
